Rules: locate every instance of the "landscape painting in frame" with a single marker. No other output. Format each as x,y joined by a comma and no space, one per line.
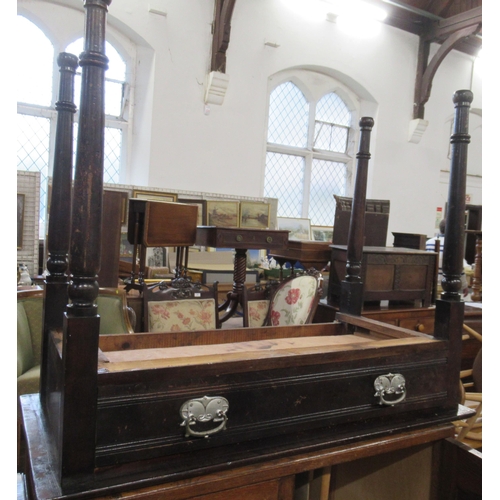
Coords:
300,229
254,214
322,233
223,213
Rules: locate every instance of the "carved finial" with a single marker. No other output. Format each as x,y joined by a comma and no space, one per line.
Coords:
463,96
67,61
366,123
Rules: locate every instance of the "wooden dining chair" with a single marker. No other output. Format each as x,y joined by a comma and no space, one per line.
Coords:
181,305
471,385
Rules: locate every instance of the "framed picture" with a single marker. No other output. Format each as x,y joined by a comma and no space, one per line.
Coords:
20,220
124,207
223,213
254,214
154,195
322,233
202,209
254,258
126,248
300,229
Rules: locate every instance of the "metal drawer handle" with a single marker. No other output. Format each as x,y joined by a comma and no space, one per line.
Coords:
204,409
239,237
390,385
269,239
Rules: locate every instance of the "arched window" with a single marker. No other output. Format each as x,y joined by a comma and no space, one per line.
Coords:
36,114
35,108
307,153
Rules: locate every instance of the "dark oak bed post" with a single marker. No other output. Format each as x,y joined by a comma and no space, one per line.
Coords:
450,308
56,283
81,322
351,300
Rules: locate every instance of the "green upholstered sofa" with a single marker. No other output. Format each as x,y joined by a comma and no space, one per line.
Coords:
116,317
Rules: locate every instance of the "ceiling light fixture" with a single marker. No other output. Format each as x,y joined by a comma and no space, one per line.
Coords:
356,17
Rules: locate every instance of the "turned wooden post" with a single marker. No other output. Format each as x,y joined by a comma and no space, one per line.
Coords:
351,300
81,322
450,308
56,282
454,237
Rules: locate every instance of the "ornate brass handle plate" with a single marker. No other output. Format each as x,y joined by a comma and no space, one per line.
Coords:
392,386
204,409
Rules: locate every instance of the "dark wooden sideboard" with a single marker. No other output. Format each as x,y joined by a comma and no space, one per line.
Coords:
395,274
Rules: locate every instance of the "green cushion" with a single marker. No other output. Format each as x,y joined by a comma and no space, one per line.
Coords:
29,382
25,357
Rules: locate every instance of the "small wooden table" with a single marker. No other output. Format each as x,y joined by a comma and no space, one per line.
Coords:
241,239
387,273
309,253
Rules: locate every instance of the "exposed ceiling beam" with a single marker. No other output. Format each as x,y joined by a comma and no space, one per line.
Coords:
221,30
424,80
431,25
441,8
445,27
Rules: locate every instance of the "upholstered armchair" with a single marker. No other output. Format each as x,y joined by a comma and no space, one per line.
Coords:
116,317
295,300
29,340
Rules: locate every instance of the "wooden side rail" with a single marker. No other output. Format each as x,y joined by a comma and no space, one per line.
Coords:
384,329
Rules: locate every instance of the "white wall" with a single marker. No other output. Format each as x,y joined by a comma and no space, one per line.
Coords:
177,145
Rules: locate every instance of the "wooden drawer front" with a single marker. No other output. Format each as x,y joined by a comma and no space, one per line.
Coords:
422,325
257,240
142,420
220,237
270,490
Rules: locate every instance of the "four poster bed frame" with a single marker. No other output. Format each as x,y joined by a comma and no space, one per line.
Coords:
164,415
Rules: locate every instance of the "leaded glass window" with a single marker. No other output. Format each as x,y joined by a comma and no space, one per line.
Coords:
307,153
37,116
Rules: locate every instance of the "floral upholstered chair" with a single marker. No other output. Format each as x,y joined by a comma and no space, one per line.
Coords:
181,306
295,301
